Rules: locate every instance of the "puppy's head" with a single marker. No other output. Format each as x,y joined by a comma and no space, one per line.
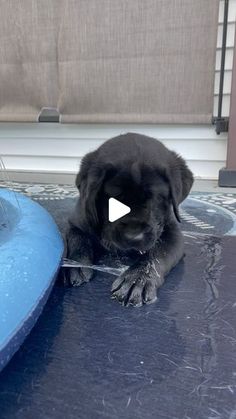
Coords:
153,192
135,187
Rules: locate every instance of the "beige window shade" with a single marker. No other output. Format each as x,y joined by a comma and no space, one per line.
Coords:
147,61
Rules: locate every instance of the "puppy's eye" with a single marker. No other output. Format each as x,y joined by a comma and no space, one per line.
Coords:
117,192
113,190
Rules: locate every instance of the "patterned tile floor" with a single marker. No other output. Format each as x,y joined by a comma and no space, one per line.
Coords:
54,191
47,193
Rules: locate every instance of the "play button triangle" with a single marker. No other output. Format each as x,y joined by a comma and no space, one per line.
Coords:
116,209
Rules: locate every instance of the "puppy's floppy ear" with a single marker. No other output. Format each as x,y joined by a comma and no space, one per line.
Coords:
93,185
86,163
180,180
89,182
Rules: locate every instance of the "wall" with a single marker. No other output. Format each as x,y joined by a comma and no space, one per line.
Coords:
48,150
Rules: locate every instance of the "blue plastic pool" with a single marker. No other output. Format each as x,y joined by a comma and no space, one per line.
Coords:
30,255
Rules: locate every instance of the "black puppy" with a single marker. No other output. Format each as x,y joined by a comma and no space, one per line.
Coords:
143,174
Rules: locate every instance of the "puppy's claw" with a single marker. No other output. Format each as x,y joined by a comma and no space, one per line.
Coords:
120,296
151,301
116,284
134,303
76,277
135,297
149,293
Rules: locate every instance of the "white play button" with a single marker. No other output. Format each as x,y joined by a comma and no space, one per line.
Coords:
117,210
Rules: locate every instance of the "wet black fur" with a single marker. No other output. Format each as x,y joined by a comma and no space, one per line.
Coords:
152,180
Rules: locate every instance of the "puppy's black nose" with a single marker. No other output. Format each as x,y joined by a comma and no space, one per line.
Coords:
133,236
133,231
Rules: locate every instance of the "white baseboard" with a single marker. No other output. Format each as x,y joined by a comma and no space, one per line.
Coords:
46,151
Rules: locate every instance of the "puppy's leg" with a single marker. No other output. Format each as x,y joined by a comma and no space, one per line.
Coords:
80,249
139,283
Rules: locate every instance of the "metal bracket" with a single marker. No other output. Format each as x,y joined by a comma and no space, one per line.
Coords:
221,124
49,115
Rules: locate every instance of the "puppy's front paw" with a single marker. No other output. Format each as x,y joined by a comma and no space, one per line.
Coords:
137,285
79,249
77,276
